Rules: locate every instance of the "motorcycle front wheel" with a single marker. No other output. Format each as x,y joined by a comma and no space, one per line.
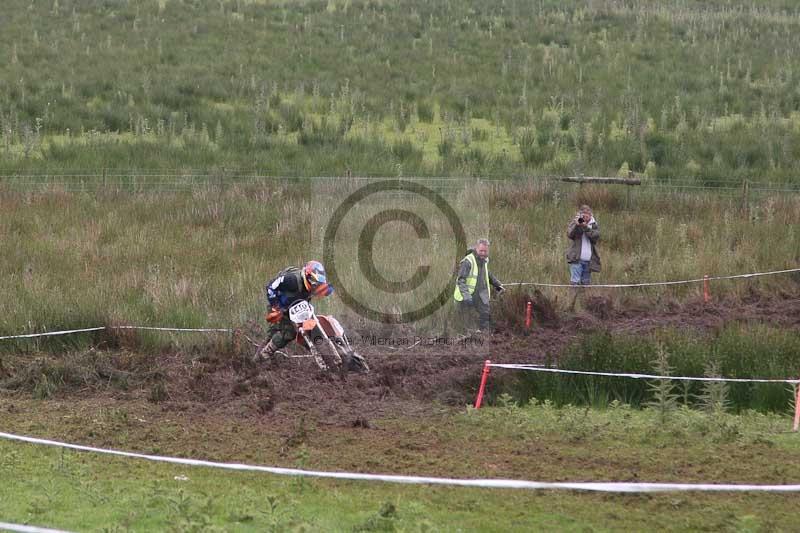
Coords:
325,347
352,361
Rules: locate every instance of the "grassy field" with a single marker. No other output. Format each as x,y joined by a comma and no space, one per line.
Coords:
157,164
202,258
80,491
704,91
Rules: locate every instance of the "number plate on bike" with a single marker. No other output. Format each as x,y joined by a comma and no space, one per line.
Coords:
300,312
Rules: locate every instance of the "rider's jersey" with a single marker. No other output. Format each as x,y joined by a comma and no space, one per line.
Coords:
287,288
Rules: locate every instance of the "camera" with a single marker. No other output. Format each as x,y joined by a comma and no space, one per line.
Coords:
581,220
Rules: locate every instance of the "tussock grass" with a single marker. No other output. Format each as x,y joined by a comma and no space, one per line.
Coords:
201,259
78,371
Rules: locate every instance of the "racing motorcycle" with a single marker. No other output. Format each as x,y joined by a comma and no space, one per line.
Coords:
324,337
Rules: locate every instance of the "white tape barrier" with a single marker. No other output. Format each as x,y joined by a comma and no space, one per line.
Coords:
537,368
653,283
4,526
50,333
420,480
511,284
150,328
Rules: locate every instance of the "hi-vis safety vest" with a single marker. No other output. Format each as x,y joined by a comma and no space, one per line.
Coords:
472,278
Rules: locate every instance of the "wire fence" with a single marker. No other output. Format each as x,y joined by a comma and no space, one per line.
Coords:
140,181
143,182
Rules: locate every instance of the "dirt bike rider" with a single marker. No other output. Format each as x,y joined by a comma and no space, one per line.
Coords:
289,286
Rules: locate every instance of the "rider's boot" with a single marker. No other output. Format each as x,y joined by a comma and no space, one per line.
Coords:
266,353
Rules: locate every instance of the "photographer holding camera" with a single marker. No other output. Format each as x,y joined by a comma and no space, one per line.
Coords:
582,255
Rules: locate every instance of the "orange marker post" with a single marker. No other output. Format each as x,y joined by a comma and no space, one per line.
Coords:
528,315
482,388
797,409
706,290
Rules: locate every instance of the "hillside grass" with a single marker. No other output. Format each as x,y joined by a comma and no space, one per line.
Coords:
703,91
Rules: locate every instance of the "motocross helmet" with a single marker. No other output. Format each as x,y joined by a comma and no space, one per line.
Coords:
315,279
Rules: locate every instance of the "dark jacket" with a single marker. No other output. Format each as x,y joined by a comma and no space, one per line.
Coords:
574,233
287,288
480,287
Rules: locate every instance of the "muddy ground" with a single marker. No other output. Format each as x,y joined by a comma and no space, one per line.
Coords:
413,376
408,374
215,404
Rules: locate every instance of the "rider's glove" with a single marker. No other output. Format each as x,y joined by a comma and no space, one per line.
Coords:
274,316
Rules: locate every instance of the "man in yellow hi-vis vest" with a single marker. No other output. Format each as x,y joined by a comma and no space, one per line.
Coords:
474,282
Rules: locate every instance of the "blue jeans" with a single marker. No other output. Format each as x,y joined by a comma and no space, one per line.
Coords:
579,273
